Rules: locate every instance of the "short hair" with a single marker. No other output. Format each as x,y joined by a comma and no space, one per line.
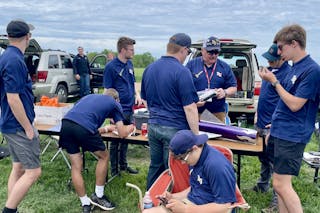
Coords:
124,42
292,32
112,92
173,48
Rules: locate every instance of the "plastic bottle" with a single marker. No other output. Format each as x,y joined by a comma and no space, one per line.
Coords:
147,201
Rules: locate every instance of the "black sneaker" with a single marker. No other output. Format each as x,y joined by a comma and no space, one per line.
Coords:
256,188
86,209
102,203
130,170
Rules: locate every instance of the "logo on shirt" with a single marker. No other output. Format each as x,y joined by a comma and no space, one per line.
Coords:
219,74
131,71
199,179
198,74
121,71
293,79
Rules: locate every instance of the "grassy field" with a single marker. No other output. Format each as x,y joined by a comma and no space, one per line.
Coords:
53,194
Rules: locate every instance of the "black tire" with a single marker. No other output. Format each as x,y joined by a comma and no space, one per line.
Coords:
62,92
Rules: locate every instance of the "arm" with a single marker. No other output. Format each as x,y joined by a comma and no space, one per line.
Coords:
19,113
191,112
293,103
224,93
138,99
124,130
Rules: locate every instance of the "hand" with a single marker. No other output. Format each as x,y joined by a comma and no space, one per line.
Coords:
30,133
220,93
200,103
138,100
77,76
177,206
267,75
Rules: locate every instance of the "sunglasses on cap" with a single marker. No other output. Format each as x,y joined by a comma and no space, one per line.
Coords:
213,52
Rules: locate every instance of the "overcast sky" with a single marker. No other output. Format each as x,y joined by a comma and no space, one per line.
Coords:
96,25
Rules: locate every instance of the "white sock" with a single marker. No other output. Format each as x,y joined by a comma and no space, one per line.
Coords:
99,191
85,200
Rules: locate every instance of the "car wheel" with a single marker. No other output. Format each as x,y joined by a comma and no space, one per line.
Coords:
62,92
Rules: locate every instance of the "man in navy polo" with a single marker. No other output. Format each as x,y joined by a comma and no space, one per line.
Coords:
268,101
119,74
17,115
294,117
212,178
171,98
209,72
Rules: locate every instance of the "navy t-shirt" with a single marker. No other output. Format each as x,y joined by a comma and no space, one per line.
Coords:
212,179
14,78
269,97
222,77
120,76
91,111
167,87
302,81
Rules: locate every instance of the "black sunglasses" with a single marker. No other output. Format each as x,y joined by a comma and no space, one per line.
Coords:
189,50
213,52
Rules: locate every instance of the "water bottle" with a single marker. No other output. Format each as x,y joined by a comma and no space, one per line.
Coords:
147,201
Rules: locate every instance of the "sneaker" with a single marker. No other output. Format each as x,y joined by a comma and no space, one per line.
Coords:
130,170
256,188
86,209
102,202
270,209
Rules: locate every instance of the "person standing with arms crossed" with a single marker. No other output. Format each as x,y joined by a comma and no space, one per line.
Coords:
209,72
119,74
268,100
295,115
81,69
171,98
17,115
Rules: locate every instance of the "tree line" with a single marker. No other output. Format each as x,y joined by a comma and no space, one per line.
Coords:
139,60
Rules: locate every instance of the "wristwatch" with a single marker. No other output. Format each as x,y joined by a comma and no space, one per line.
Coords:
274,84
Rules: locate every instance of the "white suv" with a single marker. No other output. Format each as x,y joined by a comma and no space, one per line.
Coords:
239,54
51,70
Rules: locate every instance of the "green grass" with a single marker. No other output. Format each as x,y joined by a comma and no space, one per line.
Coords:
52,194
138,73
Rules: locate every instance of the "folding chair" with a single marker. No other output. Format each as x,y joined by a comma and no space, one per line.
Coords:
176,179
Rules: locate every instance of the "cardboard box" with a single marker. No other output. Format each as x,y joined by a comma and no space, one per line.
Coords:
51,115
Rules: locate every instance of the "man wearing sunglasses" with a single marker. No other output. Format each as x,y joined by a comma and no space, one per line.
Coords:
294,117
212,178
209,72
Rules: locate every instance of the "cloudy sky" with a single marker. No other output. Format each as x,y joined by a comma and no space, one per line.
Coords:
96,25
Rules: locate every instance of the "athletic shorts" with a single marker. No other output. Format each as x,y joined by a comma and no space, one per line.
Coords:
23,150
73,136
285,155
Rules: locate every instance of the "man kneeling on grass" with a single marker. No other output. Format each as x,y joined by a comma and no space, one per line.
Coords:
80,128
212,179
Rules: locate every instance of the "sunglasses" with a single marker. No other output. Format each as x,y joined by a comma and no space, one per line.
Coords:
189,50
213,52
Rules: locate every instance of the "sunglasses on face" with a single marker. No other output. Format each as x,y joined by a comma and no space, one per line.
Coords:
213,52
189,51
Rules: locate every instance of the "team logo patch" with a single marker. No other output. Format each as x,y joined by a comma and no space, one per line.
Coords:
293,79
198,74
219,74
199,179
131,71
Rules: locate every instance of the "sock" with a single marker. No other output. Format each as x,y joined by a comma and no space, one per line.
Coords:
85,200
7,210
99,191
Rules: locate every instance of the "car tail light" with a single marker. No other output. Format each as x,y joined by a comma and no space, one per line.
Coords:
257,87
42,76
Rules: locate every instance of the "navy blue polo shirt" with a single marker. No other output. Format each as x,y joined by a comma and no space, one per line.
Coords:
81,65
269,97
120,76
167,87
15,78
92,110
302,81
212,179
222,77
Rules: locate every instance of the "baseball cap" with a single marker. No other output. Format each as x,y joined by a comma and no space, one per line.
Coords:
212,43
181,39
184,140
272,53
18,28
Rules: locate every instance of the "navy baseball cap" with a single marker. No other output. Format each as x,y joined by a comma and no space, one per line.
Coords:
181,39
212,43
184,140
18,28
272,53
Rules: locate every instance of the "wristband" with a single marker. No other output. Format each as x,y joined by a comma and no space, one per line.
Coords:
274,84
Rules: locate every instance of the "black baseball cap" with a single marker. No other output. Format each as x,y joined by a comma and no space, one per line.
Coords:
18,28
181,39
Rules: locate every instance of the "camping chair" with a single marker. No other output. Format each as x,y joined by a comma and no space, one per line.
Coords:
176,179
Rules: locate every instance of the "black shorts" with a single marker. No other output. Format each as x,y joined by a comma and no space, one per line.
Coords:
73,136
285,155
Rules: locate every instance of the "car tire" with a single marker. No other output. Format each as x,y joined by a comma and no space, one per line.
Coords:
62,93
